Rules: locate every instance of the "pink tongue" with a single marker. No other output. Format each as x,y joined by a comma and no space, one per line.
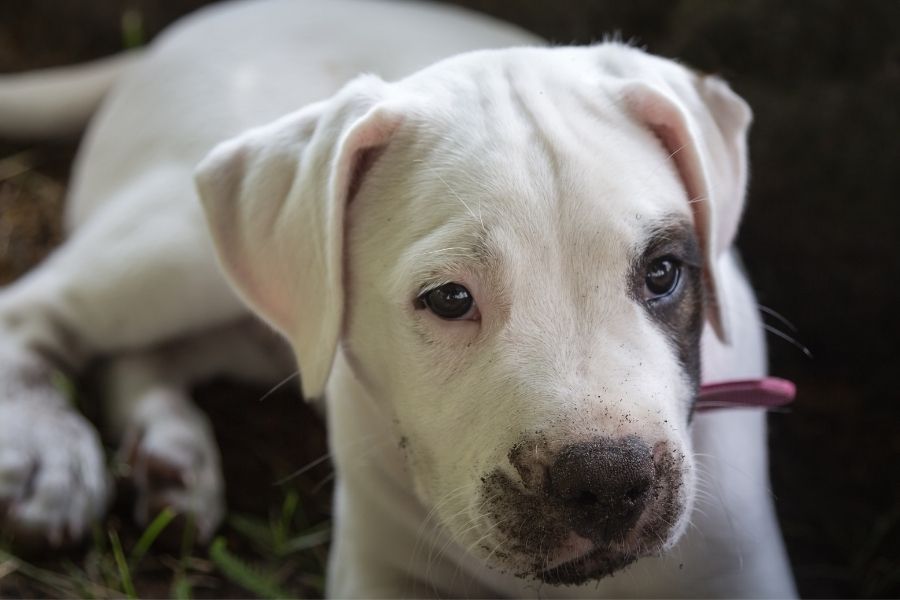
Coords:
769,392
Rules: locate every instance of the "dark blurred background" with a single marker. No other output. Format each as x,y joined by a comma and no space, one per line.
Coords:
820,237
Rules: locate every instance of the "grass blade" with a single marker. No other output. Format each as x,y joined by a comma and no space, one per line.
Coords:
56,582
256,530
315,537
181,587
122,564
288,512
241,573
153,530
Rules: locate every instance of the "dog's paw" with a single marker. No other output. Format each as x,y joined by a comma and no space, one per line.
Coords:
173,461
53,478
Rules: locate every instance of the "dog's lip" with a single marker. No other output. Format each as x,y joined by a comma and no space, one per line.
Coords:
574,548
594,564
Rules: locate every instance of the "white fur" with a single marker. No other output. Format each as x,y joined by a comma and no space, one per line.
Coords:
529,175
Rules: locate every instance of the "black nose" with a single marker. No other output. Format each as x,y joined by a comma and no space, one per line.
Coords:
603,485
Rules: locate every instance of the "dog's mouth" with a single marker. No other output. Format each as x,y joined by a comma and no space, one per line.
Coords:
579,560
595,564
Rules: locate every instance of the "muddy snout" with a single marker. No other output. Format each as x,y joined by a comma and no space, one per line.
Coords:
585,509
603,486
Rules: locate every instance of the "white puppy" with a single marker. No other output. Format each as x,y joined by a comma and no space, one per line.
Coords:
508,273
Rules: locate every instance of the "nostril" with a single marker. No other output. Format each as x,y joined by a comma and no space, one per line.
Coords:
586,498
637,492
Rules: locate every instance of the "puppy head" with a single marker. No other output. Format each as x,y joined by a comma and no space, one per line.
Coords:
517,250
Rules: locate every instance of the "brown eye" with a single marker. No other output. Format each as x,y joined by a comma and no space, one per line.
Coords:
663,275
451,301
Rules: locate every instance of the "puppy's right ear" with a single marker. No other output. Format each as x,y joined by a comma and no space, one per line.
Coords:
275,199
703,126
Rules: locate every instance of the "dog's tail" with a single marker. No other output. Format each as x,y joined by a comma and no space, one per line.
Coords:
57,102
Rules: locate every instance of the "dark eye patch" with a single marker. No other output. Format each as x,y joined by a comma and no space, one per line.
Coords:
665,280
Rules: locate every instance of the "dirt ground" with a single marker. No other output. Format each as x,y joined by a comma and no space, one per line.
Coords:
820,241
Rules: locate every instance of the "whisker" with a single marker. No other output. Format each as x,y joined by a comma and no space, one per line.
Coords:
279,385
303,469
446,249
323,483
789,339
776,315
432,521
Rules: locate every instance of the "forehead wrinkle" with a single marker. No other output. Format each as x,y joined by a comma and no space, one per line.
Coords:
540,136
509,150
570,172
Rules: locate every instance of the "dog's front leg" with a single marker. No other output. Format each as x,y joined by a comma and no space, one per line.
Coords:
53,479
166,444
138,273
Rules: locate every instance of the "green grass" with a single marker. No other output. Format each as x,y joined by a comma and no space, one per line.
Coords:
263,583
153,530
281,556
121,564
132,27
286,532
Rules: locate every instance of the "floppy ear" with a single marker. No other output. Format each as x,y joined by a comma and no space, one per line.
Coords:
703,125
275,198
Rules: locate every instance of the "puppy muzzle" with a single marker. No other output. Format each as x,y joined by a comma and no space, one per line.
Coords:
586,510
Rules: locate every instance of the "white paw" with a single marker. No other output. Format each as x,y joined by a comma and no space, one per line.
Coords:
173,461
53,479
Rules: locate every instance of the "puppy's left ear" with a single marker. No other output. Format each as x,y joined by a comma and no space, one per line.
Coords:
703,125
275,199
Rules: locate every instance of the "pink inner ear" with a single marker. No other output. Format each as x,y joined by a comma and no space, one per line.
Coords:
669,126
362,163
361,148
667,121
